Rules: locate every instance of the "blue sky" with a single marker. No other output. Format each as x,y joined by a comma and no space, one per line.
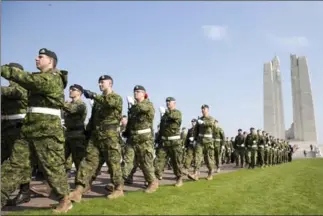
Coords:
198,52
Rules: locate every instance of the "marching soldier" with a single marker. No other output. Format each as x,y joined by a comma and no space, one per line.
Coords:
239,146
170,142
190,144
252,141
261,149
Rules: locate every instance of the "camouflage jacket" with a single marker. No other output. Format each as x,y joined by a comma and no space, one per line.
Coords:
13,101
140,117
45,90
261,142
170,124
203,131
218,135
74,116
239,142
252,141
106,115
190,134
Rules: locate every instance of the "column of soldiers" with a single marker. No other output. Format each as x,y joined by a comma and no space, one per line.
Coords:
33,133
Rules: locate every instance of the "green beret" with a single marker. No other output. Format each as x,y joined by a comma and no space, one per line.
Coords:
170,99
139,87
48,53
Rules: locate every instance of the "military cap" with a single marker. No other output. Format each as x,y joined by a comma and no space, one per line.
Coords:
124,116
194,120
105,77
16,65
240,130
252,128
204,106
170,99
216,120
48,53
139,87
78,87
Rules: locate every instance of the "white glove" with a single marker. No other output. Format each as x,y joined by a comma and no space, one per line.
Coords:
223,147
200,121
162,110
191,139
130,100
91,103
63,123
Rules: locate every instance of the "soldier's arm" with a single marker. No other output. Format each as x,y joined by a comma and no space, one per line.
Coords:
222,135
110,100
196,132
209,122
43,82
75,108
14,92
175,116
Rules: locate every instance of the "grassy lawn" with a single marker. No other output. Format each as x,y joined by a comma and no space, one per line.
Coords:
293,188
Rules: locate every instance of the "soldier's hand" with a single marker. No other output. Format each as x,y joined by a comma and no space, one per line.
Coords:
200,121
88,94
91,103
130,100
191,139
162,110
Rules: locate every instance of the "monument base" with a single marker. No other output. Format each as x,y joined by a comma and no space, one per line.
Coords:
305,146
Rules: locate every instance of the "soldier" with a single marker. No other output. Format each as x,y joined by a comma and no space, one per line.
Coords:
252,140
261,148
183,137
42,129
232,155
204,134
228,150
104,127
239,146
139,136
190,144
219,140
246,151
267,148
13,111
170,142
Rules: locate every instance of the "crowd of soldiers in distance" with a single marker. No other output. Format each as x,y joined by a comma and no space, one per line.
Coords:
35,133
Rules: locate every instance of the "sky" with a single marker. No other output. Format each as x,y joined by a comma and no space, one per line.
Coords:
198,52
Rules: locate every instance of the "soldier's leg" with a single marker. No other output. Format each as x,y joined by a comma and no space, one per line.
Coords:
217,156
87,170
78,150
129,158
189,157
242,155
197,162
176,154
255,157
237,157
248,157
160,161
209,158
112,155
145,156
16,170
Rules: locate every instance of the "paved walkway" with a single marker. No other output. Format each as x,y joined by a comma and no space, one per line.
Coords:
98,188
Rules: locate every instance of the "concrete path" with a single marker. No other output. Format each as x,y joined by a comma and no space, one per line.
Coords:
98,188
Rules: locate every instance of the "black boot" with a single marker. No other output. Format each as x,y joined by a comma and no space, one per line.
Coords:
22,197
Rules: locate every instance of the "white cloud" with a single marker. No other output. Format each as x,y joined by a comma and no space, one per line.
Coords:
294,41
215,32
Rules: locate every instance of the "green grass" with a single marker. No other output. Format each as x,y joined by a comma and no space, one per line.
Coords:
292,188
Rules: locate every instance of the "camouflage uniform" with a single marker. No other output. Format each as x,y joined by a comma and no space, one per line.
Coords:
219,146
239,146
261,149
74,115
41,131
228,150
140,140
267,155
190,145
170,144
252,141
13,111
104,127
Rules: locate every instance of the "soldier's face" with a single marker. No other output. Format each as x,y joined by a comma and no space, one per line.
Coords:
139,94
193,123
124,121
43,61
205,111
170,104
74,92
104,84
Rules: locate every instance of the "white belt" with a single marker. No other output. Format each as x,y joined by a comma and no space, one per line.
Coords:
218,140
172,137
148,130
261,146
45,110
13,117
254,146
266,145
206,135
242,145
229,148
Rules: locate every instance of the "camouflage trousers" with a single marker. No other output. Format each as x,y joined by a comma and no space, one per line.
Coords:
190,155
207,149
261,157
252,156
143,152
172,149
217,152
75,147
7,141
17,170
240,156
267,157
129,158
110,150
228,156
